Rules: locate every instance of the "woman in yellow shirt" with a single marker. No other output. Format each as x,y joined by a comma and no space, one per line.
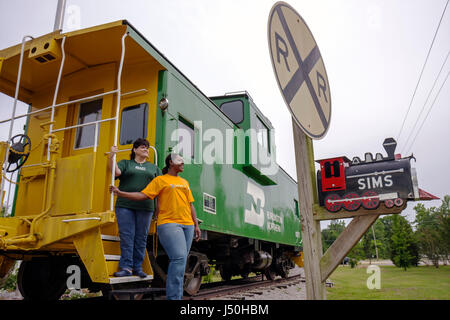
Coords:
177,220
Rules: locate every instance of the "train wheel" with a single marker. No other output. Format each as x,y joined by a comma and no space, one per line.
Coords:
330,203
225,272
371,200
389,203
42,279
284,271
351,204
194,285
398,202
270,274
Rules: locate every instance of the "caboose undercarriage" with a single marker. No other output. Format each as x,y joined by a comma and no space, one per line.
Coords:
231,256
46,275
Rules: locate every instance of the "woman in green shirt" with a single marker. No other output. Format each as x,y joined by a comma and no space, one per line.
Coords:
133,217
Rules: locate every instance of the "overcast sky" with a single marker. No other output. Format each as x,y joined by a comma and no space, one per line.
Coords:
373,53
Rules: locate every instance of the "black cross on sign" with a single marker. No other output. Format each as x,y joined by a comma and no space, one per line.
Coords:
280,55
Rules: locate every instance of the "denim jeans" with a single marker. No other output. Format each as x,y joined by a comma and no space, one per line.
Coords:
133,231
176,240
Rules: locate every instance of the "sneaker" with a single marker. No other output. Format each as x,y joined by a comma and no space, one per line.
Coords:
122,273
140,273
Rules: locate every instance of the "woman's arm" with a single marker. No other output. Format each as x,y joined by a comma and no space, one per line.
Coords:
155,216
136,196
197,232
111,162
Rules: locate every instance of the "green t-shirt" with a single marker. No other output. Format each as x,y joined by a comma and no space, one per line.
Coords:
134,178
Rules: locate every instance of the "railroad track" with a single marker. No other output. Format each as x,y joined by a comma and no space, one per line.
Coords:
239,286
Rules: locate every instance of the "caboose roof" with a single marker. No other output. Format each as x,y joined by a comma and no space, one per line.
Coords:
84,49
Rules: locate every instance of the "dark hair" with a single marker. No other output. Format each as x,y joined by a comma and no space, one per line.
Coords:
139,142
167,161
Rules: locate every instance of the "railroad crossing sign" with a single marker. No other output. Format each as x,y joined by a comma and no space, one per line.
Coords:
299,70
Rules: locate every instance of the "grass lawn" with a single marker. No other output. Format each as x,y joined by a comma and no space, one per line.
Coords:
417,283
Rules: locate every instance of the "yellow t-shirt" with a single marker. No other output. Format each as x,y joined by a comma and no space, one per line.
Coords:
174,197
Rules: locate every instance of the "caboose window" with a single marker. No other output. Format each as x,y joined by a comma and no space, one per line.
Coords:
262,134
297,211
134,123
186,138
89,112
233,110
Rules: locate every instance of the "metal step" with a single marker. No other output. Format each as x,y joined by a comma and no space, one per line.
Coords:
112,257
115,280
110,238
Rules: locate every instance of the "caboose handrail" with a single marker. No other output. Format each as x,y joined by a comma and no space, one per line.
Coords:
55,95
16,97
72,101
83,124
116,127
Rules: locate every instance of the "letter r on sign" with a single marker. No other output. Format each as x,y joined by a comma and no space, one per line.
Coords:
283,52
321,85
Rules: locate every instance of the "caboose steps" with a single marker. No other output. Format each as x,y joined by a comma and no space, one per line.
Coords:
111,249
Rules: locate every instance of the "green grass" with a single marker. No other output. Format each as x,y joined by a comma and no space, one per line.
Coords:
417,283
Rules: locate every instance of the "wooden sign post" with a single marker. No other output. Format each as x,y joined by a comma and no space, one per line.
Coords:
311,233
303,82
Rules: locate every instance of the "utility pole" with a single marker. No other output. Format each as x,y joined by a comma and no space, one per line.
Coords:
59,17
375,240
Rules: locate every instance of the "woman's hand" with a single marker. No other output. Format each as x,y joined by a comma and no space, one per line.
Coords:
114,189
111,163
197,233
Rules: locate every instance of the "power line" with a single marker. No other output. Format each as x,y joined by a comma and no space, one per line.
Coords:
448,73
426,101
421,73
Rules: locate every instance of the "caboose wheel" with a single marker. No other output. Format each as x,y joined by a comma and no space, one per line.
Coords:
371,201
331,204
270,273
226,272
283,270
42,279
351,204
194,284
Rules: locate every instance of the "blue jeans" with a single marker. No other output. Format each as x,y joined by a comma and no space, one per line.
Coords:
176,240
133,231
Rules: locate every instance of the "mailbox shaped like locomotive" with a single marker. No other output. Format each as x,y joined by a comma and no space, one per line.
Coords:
350,185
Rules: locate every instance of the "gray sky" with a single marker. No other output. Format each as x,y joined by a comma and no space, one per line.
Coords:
373,53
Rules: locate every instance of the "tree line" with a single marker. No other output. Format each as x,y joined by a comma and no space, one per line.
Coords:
404,243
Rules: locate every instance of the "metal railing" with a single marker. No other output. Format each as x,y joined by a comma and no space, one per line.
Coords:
16,97
55,105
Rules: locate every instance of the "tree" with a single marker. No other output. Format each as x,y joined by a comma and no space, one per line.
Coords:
444,217
368,245
4,211
330,234
403,246
433,231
